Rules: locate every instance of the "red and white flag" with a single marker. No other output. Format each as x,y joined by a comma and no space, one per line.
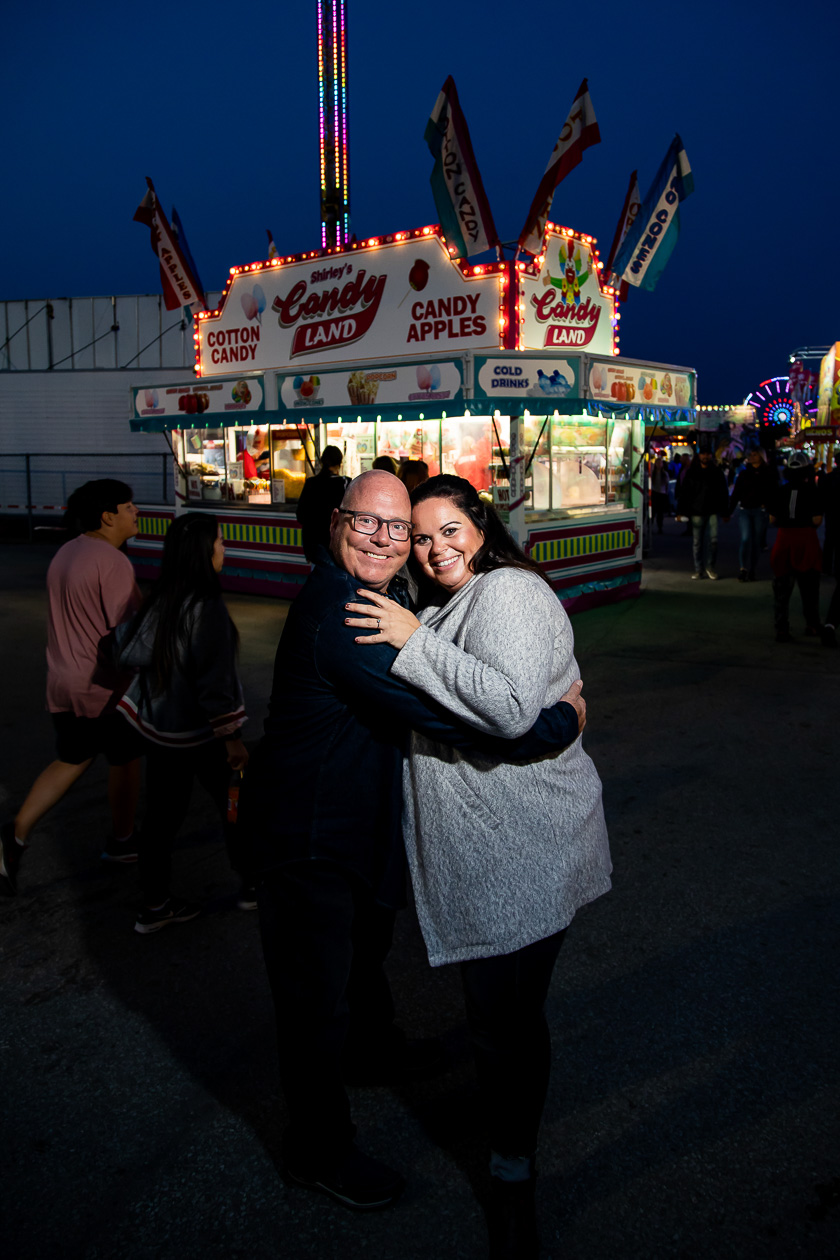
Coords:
180,287
580,131
631,207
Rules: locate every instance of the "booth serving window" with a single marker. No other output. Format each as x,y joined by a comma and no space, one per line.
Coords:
254,467
577,462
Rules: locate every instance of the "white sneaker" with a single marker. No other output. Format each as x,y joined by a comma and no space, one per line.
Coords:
695,577
710,573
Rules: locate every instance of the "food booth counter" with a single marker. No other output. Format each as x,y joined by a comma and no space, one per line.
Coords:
507,376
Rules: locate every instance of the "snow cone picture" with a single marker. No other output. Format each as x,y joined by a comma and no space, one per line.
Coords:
306,388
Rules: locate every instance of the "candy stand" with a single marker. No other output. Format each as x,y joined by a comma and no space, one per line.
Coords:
505,373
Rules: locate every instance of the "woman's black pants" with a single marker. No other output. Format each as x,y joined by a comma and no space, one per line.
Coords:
505,997
170,773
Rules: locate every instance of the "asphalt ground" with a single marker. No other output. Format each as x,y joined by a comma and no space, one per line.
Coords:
694,1101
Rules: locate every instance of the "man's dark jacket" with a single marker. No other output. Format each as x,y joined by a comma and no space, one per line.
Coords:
326,780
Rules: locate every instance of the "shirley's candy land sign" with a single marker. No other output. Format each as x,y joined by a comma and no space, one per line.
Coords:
383,301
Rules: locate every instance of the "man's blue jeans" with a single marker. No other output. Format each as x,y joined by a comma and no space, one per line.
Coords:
750,523
704,532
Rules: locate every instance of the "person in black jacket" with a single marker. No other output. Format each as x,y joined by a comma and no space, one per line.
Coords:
751,494
704,497
796,556
319,496
186,699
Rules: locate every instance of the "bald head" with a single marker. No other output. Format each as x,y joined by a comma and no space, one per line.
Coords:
369,485
373,558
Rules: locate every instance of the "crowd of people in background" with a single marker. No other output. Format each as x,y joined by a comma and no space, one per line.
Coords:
759,490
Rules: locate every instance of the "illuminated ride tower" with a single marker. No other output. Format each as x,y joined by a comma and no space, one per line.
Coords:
332,89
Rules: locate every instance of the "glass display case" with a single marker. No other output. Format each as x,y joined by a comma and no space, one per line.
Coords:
577,462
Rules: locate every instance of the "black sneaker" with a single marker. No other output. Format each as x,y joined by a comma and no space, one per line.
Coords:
124,851
358,1182
10,854
247,899
742,575
829,637
172,911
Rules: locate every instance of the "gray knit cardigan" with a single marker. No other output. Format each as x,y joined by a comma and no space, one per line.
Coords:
500,855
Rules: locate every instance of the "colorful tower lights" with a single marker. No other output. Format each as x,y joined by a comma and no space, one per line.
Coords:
332,90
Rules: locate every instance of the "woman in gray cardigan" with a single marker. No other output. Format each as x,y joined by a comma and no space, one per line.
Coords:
501,856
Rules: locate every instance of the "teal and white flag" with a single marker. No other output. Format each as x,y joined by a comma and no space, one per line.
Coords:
650,241
460,199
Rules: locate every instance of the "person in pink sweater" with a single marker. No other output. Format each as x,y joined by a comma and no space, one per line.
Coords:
91,589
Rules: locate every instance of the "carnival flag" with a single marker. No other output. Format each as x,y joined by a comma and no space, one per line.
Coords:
629,211
180,287
181,238
649,243
273,251
460,200
580,131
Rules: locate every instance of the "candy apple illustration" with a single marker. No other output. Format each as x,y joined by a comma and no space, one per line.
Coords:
418,277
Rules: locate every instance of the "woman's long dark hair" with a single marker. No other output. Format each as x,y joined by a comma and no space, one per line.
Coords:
498,550
187,577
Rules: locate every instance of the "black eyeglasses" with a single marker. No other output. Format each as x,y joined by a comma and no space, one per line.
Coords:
367,523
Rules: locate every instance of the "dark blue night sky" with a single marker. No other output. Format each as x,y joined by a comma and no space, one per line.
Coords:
218,104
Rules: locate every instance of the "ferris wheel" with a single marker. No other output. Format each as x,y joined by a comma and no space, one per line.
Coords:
773,403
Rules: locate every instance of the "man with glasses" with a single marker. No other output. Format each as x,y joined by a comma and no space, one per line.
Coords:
321,808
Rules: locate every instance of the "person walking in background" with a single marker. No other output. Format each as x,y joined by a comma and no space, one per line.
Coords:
684,464
796,557
186,700
319,496
90,589
753,490
660,499
704,497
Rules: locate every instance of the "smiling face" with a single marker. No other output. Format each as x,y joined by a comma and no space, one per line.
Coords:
373,559
444,541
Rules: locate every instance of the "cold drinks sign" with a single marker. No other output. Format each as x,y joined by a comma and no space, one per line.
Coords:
401,297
